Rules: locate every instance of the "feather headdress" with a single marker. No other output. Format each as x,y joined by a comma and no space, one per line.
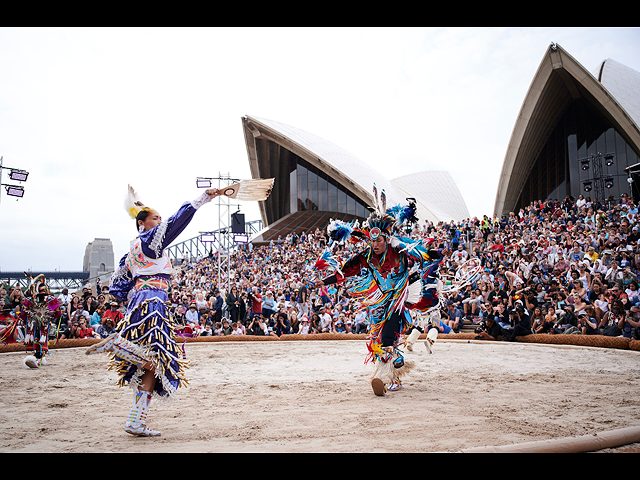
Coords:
34,284
132,203
378,224
257,189
379,201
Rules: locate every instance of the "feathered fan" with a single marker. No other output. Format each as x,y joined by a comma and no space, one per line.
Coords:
252,190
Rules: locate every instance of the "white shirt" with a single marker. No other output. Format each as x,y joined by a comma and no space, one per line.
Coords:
64,299
191,316
325,320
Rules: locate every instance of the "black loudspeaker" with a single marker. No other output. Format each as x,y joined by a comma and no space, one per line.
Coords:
237,223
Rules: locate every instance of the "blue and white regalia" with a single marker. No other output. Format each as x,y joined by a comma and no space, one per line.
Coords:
142,281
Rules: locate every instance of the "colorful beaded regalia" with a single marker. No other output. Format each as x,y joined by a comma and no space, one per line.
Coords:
402,277
39,310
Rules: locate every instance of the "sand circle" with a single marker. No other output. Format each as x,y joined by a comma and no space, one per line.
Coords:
313,396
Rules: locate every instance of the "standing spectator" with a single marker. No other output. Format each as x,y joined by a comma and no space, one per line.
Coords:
216,311
268,306
233,304
65,300
89,303
304,300
244,308
256,302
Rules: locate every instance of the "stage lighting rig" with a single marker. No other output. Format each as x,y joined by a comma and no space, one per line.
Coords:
17,175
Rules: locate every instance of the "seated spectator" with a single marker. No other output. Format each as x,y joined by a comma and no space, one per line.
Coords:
611,322
192,317
521,322
226,328
339,326
488,329
452,317
236,329
206,330
9,331
257,326
305,327
84,330
630,324
112,313
281,326
587,322
106,328
360,322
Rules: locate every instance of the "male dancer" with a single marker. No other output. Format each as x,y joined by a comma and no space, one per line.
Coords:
391,275
40,309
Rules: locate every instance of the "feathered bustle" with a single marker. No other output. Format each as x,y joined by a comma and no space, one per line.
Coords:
340,231
404,214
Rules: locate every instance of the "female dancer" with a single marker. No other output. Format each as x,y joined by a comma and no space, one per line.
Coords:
144,352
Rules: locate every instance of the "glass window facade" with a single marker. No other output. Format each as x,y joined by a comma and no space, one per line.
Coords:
568,163
312,189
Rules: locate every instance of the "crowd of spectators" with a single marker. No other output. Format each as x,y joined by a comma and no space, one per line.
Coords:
554,267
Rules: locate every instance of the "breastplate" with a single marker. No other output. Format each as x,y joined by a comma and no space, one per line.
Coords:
141,265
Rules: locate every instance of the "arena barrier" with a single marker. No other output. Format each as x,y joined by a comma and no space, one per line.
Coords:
599,341
581,444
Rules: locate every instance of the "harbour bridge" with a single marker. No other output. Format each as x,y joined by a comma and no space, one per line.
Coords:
224,240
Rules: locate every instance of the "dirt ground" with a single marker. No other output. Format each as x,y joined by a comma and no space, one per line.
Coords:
314,396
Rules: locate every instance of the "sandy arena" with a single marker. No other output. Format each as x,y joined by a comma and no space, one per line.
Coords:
313,396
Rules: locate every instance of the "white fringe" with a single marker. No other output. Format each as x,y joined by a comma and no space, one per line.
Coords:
156,243
386,372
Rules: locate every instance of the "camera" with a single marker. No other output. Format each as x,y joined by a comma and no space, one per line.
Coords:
482,327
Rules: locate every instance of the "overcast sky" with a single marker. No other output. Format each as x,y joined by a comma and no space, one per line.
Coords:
88,111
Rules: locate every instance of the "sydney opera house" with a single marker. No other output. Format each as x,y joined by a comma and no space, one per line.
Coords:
576,133
317,180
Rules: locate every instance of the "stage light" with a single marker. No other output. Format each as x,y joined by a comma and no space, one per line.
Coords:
587,186
584,164
207,237
241,238
19,175
203,183
608,160
15,191
608,182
